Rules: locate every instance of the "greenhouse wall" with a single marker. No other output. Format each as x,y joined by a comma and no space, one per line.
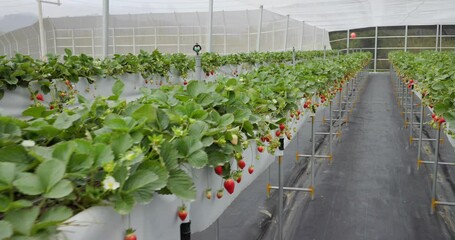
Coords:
380,41
233,32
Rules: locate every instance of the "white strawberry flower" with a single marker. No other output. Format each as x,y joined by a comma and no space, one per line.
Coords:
28,143
109,183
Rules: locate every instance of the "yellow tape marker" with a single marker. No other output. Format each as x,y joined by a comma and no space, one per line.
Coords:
268,189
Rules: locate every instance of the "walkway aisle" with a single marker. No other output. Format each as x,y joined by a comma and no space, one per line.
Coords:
372,190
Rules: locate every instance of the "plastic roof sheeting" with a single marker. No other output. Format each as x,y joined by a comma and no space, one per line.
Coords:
328,14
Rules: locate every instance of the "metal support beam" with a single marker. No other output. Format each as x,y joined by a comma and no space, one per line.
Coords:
105,28
347,40
437,37
42,37
209,37
406,38
435,169
258,41
375,48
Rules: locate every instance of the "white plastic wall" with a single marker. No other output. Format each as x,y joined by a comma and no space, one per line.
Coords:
233,31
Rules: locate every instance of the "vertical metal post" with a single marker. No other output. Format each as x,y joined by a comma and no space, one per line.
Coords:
55,41
435,169
258,41
178,39
249,32
42,33
346,105
437,37
440,38
347,40
411,115
405,106
339,114
209,37
286,33
313,153
198,67
330,129
419,148
105,28
406,38
302,35
375,48
280,198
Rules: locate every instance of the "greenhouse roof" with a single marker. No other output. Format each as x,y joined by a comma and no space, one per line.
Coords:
331,15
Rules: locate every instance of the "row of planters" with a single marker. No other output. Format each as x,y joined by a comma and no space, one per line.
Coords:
56,82
22,69
432,74
110,152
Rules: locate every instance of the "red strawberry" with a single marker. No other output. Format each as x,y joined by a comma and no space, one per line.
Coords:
306,105
182,213
292,115
219,170
298,112
239,179
441,120
260,148
411,81
251,169
40,97
185,83
212,72
436,119
278,133
229,185
130,235
241,164
433,115
51,107
282,126
220,193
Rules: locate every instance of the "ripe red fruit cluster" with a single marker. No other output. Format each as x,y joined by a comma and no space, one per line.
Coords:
260,149
40,97
182,213
241,164
411,83
438,119
219,170
307,104
229,185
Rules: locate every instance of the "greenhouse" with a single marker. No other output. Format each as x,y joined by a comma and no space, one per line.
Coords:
227,119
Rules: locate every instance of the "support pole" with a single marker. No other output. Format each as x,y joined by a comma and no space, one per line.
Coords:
406,39
258,42
375,48
419,148
347,41
105,28
286,33
280,154
435,171
440,37
42,36
330,130
339,115
437,37
209,40
280,198
411,115
313,153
